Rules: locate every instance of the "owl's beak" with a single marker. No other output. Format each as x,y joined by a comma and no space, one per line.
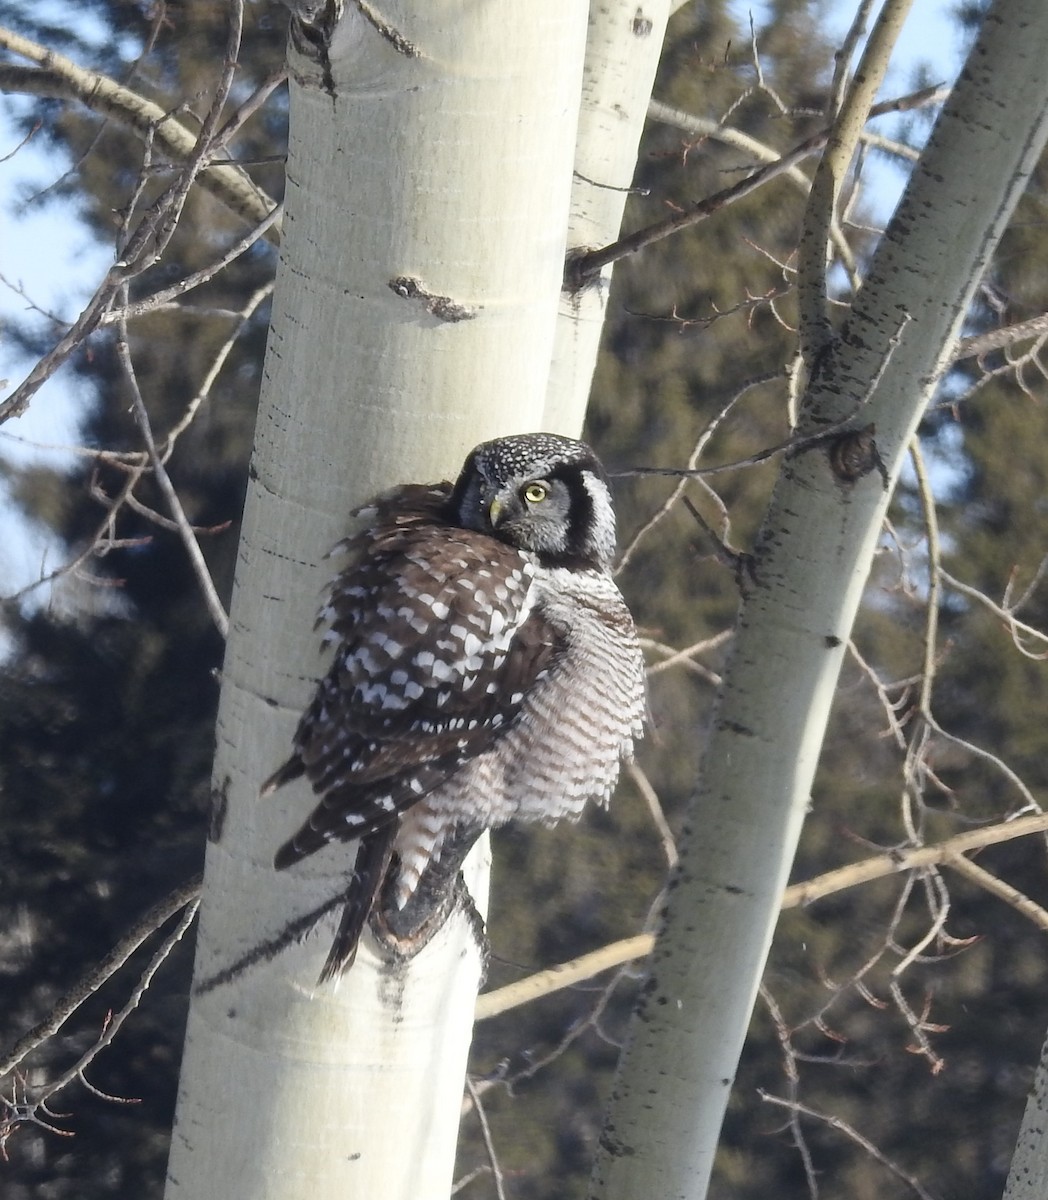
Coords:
494,511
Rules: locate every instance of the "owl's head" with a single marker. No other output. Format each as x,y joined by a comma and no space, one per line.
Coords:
539,492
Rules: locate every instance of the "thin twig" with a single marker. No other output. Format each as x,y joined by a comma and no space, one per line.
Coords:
159,299
997,887
489,1144
103,537
86,986
686,657
704,438
185,530
584,268
1030,803
113,1025
643,785
60,77
145,246
463,1183
843,137
851,1132
157,22
1014,626
894,725
118,458
247,110
939,904
33,131
245,315
931,533
789,1063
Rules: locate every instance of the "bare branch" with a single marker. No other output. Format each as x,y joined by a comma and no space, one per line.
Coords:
931,531
997,887
690,470
789,1062
142,248
829,177
61,78
851,1132
584,268
103,540
686,657
890,707
143,928
999,339
1030,803
896,862
1016,628
651,798
116,1021
565,975
842,58
149,304
245,314
489,1145
196,557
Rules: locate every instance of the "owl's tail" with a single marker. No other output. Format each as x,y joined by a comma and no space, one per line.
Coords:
369,872
292,769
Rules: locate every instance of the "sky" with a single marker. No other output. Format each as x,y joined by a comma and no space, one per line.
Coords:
45,250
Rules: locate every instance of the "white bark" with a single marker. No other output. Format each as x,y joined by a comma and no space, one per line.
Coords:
1028,1176
623,46
811,563
448,168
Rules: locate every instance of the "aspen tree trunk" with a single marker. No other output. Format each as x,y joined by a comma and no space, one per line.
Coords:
811,562
1028,1176
623,46
428,180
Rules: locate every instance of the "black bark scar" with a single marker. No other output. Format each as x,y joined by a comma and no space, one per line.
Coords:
441,307
854,454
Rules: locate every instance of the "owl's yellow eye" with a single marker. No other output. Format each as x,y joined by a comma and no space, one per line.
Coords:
535,493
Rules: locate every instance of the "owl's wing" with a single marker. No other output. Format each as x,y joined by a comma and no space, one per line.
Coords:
437,646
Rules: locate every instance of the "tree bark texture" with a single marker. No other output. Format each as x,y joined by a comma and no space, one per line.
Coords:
801,592
428,178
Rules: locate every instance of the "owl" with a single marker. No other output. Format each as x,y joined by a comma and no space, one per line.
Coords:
485,669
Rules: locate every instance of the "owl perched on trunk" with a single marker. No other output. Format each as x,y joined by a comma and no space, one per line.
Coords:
485,668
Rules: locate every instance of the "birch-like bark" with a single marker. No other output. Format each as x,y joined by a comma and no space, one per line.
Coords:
810,565
821,215
1028,1175
427,198
623,45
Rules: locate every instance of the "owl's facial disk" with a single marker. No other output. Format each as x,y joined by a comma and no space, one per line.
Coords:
533,514
541,493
